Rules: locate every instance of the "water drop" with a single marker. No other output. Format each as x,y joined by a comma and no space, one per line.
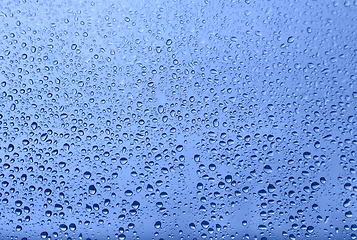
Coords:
92,190
290,39
157,224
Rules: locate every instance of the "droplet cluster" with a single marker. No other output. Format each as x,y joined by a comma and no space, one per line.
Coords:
178,119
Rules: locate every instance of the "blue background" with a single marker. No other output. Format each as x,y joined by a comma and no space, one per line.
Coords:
178,119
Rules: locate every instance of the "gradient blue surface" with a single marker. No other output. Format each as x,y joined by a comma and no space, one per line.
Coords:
178,119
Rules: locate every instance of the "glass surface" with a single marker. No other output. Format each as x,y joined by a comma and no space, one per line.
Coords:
178,119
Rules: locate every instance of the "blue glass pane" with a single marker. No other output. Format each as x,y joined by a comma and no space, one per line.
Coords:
178,119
